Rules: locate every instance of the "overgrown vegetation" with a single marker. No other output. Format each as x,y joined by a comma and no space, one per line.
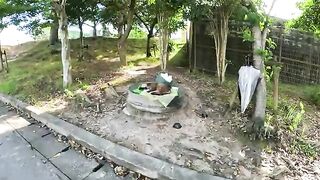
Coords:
287,125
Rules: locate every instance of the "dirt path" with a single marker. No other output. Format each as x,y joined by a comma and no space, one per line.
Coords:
204,144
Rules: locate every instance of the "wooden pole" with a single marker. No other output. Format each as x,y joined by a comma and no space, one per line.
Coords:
309,68
281,43
276,74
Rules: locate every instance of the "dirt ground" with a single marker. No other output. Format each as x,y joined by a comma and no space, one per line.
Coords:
209,144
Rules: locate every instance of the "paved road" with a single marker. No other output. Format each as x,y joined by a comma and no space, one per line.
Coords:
30,152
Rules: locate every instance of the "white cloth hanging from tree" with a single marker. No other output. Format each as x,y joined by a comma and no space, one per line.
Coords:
248,80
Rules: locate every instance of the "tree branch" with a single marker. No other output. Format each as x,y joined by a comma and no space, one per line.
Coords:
56,6
142,21
272,5
129,20
88,24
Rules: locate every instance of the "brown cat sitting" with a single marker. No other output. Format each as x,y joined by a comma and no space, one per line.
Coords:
158,88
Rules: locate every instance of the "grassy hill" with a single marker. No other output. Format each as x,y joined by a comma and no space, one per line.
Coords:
37,73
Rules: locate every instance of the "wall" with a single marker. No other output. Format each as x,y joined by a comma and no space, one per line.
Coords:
298,51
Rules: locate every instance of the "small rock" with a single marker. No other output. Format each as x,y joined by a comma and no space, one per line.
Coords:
201,113
120,171
177,126
279,172
316,167
244,171
188,163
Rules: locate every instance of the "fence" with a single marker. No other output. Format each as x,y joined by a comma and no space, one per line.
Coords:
298,51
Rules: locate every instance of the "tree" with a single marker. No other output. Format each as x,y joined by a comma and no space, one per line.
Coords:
54,28
310,17
125,26
218,12
94,16
78,12
10,8
169,15
259,23
36,16
121,15
147,17
60,7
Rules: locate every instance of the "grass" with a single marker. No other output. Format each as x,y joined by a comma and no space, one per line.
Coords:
310,93
37,75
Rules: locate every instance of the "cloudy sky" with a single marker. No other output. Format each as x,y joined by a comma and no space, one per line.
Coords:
285,9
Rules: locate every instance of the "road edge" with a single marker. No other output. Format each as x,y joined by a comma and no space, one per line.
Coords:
133,160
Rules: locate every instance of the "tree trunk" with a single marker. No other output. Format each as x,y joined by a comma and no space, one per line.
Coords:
190,45
261,90
54,33
123,37
104,30
94,34
80,23
122,49
65,46
54,29
164,40
221,39
150,35
1,59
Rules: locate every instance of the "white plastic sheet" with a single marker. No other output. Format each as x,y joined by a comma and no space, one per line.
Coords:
248,79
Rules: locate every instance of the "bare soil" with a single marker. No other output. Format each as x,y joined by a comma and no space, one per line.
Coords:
211,145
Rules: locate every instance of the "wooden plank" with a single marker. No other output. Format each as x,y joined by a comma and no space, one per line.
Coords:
228,49
298,61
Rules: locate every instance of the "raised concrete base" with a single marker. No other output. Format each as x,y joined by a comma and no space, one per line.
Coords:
135,161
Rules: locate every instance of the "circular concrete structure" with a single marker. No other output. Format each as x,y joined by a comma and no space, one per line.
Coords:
147,108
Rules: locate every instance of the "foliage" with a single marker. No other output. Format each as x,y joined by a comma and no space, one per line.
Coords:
287,126
147,15
302,146
293,116
313,94
174,9
267,54
137,33
289,116
33,15
218,13
114,12
247,35
79,10
8,8
310,17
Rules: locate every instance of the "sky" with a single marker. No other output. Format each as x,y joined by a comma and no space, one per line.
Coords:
285,9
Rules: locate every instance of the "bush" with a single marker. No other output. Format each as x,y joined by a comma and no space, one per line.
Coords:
137,33
287,127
